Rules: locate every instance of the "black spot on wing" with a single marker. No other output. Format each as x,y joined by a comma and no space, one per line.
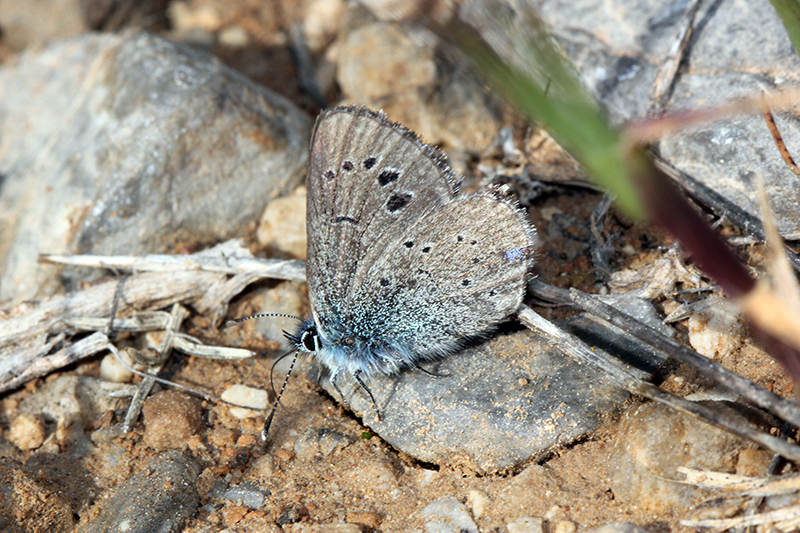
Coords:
397,201
387,176
339,220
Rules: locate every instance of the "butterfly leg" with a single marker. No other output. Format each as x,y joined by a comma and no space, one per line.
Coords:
333,379
357,377
428,372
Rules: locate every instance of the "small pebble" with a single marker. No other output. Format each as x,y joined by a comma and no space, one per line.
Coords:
322,441
285,298
619,527
371,520
184,16
716,329
753,462
447,515
233,514
526,524
245,495
246,441
171,418
554,512
111,369
248,396
262,469
565,526
283,224
653,441
284,455
322,21
234,37
477,501
374,476
27,432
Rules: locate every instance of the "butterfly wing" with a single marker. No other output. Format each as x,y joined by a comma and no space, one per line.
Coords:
399,266
453,275
368,179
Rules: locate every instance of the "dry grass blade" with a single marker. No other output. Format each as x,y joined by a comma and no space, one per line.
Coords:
785,518
772,518
751,486
769,118
43,364
230,257
785,409
774,305
206,280
628,379
649,130
669,68
177,315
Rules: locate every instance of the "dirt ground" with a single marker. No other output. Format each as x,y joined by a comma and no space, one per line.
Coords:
366,482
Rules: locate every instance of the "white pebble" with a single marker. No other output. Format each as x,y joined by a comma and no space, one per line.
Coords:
526,524
477,501
716,329
566,526
111,369
234,37
246,396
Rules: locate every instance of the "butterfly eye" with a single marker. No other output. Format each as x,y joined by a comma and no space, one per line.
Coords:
309,340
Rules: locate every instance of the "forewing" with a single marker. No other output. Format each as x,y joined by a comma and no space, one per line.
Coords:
368,180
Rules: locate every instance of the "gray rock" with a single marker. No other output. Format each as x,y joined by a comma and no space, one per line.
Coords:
245,494
447,515
127,143
738,49
157,499
504,401
654,441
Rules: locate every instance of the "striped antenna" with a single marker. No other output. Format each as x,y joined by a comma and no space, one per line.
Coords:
268,420
235,321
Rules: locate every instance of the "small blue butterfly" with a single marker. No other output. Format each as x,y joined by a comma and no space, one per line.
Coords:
401,268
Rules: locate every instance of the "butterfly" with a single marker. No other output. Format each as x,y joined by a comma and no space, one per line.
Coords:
401,268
